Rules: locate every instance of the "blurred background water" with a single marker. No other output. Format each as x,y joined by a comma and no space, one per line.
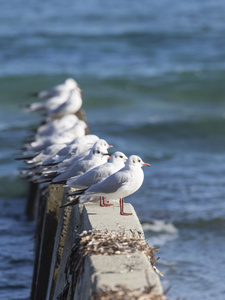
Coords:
152,75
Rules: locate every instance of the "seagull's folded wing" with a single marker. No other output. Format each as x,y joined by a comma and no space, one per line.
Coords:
112,183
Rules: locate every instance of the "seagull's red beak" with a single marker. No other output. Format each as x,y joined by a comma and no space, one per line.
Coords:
145,164
110,146
109,156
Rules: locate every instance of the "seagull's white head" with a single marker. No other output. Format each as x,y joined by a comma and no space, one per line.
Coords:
71,83
101,152
136,161
118,157
103,143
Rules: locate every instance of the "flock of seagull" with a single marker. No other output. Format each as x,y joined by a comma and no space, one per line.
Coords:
60,151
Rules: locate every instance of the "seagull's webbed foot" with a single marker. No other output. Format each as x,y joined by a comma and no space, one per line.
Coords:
125,214
122,208
102,202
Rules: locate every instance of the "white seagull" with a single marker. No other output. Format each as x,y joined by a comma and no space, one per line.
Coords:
68,85
49,169
77,156
98,174
57,104
70,106
44,154
73,149
118,185
96,156
68,136
49,104
59,125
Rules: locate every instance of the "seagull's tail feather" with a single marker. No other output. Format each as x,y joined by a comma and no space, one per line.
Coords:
25,157
72,202
59,182
26,176
76,193
50,164
35,107
43,179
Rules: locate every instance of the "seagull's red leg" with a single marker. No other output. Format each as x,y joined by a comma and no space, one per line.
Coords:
122,208
106,204
120,205
102,202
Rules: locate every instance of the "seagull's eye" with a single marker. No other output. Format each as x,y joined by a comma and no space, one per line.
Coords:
139,160
121,156
98,151
134,161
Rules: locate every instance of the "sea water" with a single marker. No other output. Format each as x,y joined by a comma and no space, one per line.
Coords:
152,75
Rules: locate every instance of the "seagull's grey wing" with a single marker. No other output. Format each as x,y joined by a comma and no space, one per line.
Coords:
64,151
49,94
59,108
110,185
87,179
79,181
72,180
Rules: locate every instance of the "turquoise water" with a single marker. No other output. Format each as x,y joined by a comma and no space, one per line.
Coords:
152,76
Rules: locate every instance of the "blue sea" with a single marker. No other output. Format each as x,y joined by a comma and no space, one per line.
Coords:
153,81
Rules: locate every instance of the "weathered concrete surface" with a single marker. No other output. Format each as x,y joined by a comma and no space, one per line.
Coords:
58,250
32,200
63,232
132,270
109,218
38,239
78,222
49,227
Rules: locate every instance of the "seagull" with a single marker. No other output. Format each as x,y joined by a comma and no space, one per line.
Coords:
70,106
78,129
95,157
98,174
62,137
59,125
69,84
118,185
48,169
74,158
69,100
49,104
45,154
39,160
72,149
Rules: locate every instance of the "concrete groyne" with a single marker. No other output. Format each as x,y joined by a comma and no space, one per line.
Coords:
87,251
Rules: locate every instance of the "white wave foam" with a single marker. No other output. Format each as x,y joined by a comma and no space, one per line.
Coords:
160,226
161,239
166,232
